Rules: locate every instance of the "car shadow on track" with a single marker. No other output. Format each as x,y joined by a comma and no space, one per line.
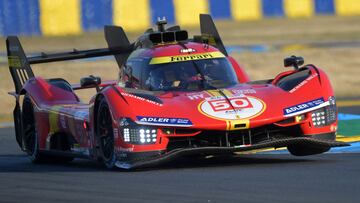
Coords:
231,161
21,163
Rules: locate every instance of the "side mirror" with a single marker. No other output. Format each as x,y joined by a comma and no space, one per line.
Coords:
294,61
90,81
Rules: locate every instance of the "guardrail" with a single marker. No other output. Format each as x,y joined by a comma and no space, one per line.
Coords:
69,17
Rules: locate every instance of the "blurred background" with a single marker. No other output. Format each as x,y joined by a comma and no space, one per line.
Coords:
258,33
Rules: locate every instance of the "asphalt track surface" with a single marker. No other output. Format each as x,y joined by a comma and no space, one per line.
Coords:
246,178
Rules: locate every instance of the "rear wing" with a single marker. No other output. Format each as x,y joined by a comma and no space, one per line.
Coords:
118,45
208,30
19,63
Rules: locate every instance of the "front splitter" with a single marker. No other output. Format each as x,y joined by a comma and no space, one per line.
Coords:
277,143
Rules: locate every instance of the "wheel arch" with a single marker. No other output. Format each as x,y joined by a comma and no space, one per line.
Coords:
116,103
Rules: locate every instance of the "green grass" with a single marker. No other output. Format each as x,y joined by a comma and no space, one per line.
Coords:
349,128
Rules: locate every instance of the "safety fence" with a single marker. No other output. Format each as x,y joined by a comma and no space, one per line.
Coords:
69,17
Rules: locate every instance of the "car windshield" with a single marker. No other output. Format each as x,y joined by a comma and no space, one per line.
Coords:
190,75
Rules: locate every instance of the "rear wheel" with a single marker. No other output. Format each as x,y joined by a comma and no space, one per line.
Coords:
105,134
30,136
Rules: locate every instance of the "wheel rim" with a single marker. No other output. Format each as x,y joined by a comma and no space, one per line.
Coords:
29,129
105,133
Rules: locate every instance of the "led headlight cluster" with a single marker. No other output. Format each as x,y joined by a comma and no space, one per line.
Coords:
318,118
147,135
325,116
140,135
137,134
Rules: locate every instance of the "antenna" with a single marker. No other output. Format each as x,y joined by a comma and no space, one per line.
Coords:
161,24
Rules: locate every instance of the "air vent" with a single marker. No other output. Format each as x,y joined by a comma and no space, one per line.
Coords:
166,37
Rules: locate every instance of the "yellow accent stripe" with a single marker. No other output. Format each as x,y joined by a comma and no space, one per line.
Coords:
227,125
239,122
298,8
14,61
227,92
214,93
246,9
132,15
53,119
60,17
347,7
187,12
188,57
348,103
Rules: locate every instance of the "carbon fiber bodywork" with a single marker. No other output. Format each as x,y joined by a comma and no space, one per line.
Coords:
154,158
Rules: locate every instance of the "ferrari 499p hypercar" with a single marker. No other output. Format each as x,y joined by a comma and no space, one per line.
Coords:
175,96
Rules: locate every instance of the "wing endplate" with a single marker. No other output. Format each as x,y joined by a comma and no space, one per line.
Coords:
208,29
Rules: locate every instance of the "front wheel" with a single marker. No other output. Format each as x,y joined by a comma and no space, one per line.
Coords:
105,135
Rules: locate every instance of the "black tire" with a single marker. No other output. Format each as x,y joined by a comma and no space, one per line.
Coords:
30,136
105,135
304,150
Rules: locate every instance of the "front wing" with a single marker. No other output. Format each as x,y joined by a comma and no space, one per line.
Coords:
145,161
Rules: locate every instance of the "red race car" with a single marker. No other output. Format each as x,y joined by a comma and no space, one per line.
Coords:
175,96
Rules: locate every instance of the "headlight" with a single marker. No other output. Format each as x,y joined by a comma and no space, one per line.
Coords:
318,118
325,116
138,134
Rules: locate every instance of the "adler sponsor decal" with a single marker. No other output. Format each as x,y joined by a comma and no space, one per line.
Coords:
163,121
232,108
305,107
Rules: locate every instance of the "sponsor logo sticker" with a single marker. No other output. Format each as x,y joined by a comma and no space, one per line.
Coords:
303,83
243,91
197,95
303,106
187,57
232,108
189,50
82,115
164,121
140,98
14,61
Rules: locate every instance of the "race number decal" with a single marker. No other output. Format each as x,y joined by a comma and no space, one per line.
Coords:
232,108
224,104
